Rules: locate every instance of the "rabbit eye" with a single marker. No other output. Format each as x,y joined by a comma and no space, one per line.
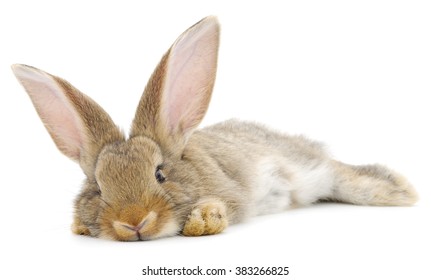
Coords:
159,175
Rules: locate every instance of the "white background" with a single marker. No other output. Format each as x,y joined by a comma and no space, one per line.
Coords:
354,74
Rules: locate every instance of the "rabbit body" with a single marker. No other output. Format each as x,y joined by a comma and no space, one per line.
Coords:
168,178
256,171
269,171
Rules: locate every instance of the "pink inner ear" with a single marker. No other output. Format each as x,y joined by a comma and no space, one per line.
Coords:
54,109
190,76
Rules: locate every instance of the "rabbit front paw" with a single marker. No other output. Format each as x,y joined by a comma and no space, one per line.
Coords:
206,218
79,228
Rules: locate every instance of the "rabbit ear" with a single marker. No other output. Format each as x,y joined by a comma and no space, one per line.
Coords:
178,93
77,124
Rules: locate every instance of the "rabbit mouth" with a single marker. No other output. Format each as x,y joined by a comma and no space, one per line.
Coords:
170,229
138,224
136,231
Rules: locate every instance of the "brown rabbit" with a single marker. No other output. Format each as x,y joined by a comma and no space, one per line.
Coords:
169,179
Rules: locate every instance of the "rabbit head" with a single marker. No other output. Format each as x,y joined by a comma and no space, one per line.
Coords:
131,190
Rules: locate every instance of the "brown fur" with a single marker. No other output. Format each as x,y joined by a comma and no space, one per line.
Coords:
212,177
209,217
388,187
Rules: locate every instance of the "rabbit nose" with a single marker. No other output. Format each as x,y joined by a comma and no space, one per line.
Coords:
128,231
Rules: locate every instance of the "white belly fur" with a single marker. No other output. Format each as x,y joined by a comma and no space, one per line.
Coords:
278,184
